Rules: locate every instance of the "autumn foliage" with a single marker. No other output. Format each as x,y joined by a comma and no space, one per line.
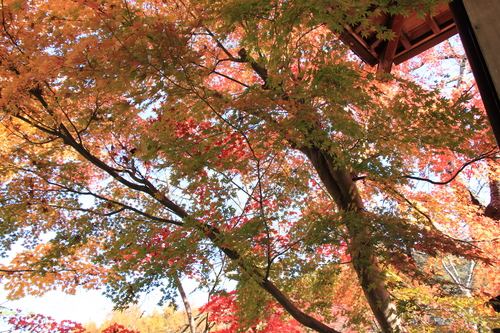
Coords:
144,141
37,323
223,313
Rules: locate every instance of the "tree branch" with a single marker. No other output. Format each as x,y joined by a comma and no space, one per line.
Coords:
489,154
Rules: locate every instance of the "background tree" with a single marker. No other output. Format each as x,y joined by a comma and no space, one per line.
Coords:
134,318
159,139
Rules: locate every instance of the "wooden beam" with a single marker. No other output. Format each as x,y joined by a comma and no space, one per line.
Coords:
423,45
358,47
405,41
375,44
432,23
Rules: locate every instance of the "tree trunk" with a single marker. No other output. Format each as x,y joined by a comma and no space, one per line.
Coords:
187,306
493,209
344,191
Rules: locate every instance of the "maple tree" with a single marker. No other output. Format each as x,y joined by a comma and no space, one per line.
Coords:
40,323
134,318
142,141
37,323
223,309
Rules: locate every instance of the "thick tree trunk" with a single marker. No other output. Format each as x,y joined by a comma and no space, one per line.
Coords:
493,208
344,191
372,282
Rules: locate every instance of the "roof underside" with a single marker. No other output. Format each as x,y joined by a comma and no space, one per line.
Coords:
412,35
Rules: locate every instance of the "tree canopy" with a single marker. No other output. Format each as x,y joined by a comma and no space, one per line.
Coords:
143,141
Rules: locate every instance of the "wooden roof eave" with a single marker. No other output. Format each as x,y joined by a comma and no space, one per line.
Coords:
412,35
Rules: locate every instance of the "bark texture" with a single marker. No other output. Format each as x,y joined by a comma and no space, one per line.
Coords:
345,193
